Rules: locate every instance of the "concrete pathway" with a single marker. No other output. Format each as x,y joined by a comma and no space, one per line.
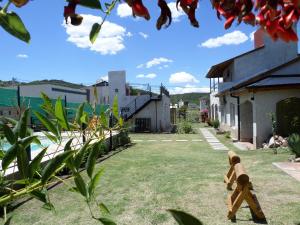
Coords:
292,169
212,140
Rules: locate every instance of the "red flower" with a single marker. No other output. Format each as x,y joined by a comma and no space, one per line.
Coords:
138,9
165,15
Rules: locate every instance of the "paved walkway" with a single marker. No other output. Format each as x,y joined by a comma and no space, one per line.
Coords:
292,169
212,140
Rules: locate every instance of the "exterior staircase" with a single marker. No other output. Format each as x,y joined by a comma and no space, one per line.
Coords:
141,102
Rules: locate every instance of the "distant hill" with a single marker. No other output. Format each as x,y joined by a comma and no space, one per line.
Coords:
189,97
53,82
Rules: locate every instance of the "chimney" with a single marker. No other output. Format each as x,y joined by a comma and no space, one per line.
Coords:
259,38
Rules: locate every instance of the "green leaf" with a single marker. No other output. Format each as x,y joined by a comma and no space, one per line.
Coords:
85,118
94,32
2,153
80,155
47,123
103,208
93,4
70,161
9,134
39,195
60,114
21,127
35,164
103,119
91,161
121,122
50,136
47,105
81,185
23,161
106,221
184,218
25,142
115,109
9,156
95,181
53,165
13,24
79,113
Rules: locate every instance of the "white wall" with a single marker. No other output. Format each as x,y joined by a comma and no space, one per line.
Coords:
263,104
35,91
159,112
117,87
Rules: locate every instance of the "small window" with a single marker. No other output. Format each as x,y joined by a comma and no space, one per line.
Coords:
116,90
1,113
9,112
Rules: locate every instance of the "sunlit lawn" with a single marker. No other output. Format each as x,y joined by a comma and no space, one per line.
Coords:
141,182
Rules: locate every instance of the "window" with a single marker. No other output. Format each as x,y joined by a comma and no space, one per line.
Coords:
1,113
9,112
232,114
116,90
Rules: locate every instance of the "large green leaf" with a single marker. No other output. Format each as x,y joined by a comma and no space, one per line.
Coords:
95,181
80,155
9,134
103,119
184,218
25,142
23,161
54,164
61,115
9,156
93,4
91,161
94,32
106,221
34,166
50,136
70,161
47,105
47,123
79,113
21,127
13,24
115,109
81,185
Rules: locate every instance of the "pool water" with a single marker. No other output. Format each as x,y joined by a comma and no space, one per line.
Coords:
34,147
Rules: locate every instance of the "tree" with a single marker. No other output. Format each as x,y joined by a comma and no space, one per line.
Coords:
276,17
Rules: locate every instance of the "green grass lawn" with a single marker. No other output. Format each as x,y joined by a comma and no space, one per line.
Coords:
141,182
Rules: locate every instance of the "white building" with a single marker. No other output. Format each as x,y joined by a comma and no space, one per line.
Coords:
246,89
146,112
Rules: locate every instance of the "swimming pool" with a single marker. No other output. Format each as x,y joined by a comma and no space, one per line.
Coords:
44,143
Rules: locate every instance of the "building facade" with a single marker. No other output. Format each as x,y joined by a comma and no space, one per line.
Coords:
247,89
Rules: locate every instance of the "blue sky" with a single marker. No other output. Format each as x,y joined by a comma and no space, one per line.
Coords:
178,56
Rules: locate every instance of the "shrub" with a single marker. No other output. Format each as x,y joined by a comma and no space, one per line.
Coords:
227,134
294,143
216,124
185,128
210,122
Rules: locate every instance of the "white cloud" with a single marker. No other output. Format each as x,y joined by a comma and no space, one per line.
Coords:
155,62
22,56
188,89
110,39
234,38
251,36
182,77
149,76
144,35
124,10
129,34
176,14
